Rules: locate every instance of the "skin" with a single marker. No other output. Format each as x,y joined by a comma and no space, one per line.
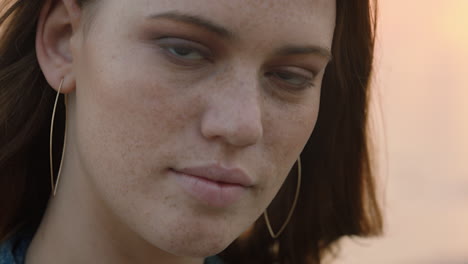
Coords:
137,107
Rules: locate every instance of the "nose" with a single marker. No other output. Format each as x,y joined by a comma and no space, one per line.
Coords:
233,114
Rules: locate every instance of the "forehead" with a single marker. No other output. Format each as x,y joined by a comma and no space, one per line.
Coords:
289,20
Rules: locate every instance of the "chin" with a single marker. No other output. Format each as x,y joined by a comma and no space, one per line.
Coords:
200,249
192,241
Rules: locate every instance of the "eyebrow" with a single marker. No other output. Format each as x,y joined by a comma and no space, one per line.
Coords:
195,20
304,50
223,32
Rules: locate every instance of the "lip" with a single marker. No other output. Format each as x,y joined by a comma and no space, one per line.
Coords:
213,185
219,174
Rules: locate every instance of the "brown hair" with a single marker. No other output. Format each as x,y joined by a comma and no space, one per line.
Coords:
338,196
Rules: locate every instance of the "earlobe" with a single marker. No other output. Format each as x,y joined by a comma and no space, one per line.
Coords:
55,28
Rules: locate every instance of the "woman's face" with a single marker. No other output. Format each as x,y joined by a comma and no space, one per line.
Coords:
224,90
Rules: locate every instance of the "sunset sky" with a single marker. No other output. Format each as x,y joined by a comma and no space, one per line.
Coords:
421,126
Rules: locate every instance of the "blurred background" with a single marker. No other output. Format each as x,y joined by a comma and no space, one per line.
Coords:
420,120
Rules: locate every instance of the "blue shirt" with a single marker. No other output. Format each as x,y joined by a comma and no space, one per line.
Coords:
13,251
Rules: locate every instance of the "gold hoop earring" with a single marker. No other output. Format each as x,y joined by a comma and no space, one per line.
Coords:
54,188
265,213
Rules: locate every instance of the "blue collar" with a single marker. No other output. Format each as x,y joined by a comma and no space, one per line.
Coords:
13,251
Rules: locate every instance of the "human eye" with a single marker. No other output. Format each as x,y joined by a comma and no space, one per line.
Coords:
184,52
292,78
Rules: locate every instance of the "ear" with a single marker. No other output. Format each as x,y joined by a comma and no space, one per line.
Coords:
58,22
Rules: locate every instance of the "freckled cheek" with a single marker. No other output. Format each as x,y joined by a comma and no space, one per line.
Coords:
288,135
125,88
128,114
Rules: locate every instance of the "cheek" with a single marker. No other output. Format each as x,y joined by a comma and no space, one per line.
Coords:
290,127
288,130
125,115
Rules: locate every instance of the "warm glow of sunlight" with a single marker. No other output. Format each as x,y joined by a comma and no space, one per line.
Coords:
454,22
422,81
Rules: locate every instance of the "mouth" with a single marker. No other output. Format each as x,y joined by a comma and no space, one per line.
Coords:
212,185
221,175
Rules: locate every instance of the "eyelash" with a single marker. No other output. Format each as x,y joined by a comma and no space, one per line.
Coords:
306,82
206,56
190,51
170,52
